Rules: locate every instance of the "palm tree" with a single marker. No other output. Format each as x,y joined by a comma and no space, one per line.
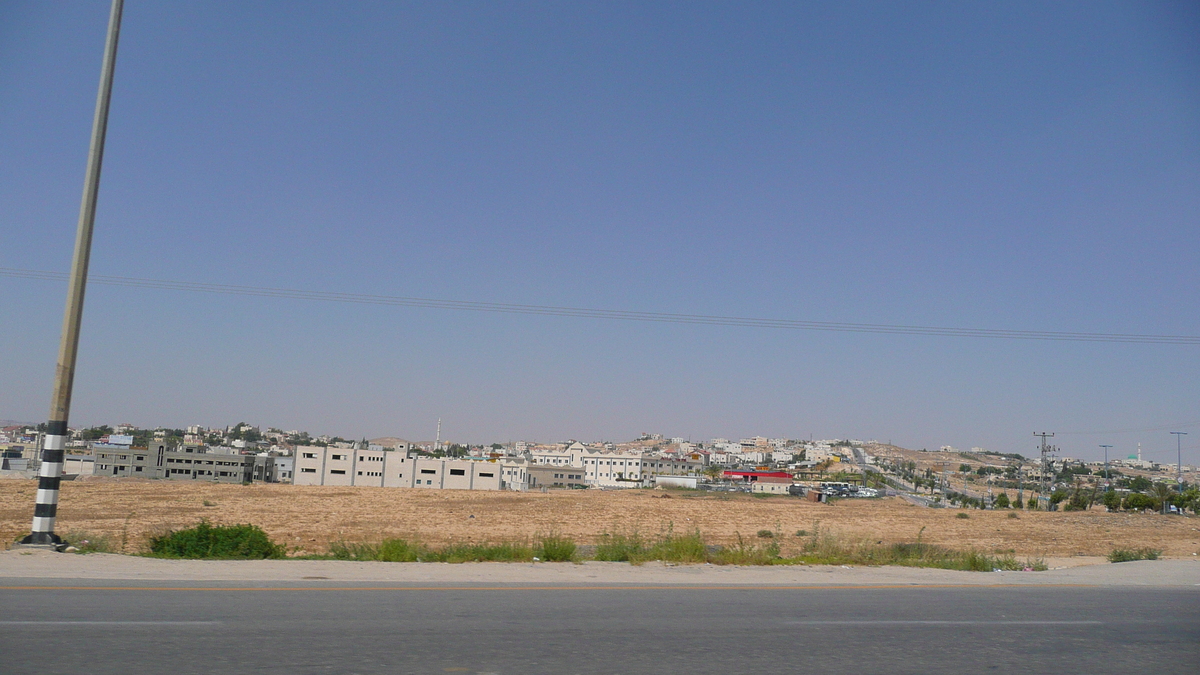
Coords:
1163,493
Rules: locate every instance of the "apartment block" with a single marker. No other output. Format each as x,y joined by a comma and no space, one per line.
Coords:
377,467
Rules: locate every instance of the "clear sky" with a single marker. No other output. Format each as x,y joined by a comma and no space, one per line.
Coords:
988,165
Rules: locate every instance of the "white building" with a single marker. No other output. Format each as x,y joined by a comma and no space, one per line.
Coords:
377,467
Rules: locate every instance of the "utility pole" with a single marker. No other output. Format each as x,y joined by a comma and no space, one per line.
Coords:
1020,487
1179,460
45,510
1107,478
1045,468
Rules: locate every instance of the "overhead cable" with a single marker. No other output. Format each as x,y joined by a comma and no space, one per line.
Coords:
611,314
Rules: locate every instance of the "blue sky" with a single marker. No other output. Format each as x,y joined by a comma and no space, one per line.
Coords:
1017,166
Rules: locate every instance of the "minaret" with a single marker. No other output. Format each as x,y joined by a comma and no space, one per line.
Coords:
437,445
1139,450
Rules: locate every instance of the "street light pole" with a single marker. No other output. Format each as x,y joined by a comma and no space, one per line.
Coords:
1179,459
45,510
1107,478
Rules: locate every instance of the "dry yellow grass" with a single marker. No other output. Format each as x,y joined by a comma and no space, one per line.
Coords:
308,519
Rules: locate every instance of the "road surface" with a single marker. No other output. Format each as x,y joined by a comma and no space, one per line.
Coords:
131,626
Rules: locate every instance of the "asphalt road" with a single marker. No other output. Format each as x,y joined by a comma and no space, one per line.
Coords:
95,627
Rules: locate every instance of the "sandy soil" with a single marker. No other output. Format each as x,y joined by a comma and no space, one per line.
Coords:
308,519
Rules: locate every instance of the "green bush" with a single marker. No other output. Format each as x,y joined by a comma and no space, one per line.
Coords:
766,534
1136,502
556,548
222,542
1112,500
1129,554
961,515
1002,501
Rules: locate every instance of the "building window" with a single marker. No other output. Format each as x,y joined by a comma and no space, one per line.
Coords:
338,471
458,472
428,471
487,475
309,455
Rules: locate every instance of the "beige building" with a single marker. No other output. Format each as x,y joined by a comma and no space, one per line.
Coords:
377,467
616,468
771,485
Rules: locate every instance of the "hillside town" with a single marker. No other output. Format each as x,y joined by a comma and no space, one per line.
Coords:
814,469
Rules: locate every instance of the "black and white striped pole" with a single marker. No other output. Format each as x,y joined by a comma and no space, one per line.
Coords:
50,475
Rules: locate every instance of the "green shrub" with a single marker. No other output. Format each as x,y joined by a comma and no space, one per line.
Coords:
961,515
766,534
556,548
1129,554
223,542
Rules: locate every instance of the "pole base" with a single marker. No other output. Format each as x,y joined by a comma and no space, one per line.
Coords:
58,548
43,540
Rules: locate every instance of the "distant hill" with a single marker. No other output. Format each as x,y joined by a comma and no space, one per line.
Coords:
389,441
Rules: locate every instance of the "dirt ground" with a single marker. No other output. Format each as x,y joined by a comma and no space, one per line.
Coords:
308,519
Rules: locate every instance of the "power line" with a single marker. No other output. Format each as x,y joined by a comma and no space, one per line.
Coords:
1163,427
610,314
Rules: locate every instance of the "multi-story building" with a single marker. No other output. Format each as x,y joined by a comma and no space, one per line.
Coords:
159,460
377,467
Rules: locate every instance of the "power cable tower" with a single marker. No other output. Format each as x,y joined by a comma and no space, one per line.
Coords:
1047,451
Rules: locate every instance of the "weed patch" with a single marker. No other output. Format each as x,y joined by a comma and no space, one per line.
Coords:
1130,554
91,542
556,548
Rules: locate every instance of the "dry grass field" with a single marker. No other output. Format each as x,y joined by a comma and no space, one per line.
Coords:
308,519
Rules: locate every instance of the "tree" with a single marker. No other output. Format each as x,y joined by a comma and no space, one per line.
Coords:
1136,501
1162,495
964,468
1140,484
1002,501
1112,500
